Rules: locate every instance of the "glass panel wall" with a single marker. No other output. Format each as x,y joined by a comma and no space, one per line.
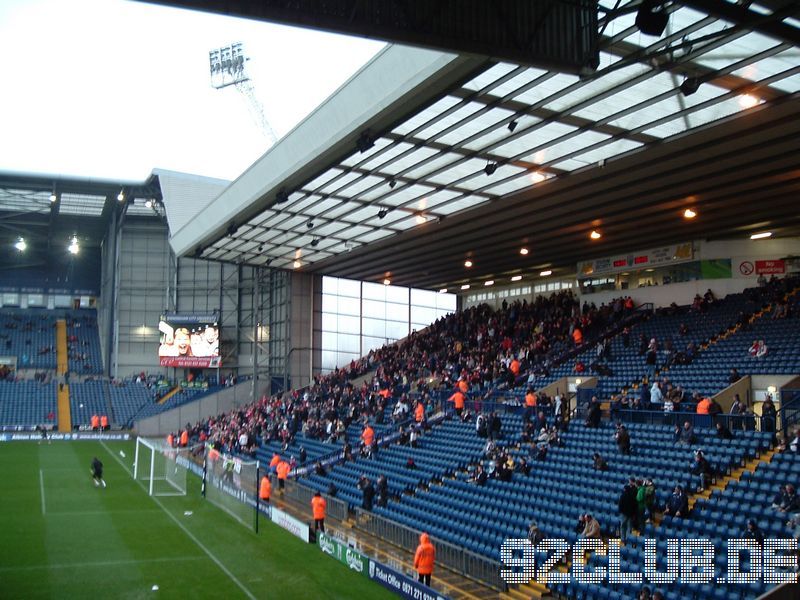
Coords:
361,316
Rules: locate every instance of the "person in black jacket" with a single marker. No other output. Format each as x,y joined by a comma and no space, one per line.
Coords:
628,509
678,503
593,415
753,532
367,491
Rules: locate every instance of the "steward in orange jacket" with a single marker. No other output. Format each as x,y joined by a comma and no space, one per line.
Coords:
265,489
458,400
424,558
318,506
283,469
368,436
95,421
104,423
184,438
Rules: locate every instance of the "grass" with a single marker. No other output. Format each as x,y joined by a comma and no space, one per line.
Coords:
64,538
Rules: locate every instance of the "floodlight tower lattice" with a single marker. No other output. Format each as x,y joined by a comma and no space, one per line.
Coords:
228,68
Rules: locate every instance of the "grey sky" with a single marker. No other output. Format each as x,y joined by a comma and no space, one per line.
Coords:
111,88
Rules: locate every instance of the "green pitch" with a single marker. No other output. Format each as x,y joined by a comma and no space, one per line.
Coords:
64,538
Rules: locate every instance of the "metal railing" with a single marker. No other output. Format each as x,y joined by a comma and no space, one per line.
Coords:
790,408
464,562
750,422
336,509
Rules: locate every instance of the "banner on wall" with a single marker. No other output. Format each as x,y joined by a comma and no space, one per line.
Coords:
189,341
677,253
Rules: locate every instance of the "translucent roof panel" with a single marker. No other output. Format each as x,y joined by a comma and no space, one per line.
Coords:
24,201
535,125
80,204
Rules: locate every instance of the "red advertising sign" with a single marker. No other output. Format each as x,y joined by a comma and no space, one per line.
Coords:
770,267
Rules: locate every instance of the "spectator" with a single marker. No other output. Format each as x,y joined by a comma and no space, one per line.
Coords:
768,414
734,376
535,535
320,470
790,502
646,501
723,432
382,489
367,492
623,439
479,477
678,503
702,468
599,463
591,528
628,511
753,532
593,415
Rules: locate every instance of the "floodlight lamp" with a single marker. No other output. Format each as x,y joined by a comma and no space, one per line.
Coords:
74,247
21,245
281,196
315,242
512,126
232,229
490,168
382,213
121,196
392,183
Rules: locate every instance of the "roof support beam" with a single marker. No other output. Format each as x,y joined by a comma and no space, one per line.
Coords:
769,25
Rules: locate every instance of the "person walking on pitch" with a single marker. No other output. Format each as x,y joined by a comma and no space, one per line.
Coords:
97,472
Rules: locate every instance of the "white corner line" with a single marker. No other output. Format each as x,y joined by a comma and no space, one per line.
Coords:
41,489
191,536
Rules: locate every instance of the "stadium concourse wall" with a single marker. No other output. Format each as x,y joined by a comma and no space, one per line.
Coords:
208,406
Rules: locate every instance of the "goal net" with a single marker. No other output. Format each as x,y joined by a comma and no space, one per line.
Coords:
161,468
229,483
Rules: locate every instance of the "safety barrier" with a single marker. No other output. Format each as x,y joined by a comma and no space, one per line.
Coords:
456,559
336,509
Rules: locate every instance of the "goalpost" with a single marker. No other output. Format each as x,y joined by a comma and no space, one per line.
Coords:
160,467
231,484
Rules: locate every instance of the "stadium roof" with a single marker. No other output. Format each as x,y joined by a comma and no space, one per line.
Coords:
52,209
424,159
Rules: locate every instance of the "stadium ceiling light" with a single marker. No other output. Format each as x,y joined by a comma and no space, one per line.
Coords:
148,203
74,247
443,291
297,264
261,247
749,101
383,212
537,177
468,263
310,224
387,281
761,236
689,214
512,125
392,183
465,286
516,278
488,283
121,196
315,242
490,168
421,219
545,273
281,197
21,245
523,251
53,197
595,235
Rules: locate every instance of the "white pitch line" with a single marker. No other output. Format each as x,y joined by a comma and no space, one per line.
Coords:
78,513
191,536
107,563
41,489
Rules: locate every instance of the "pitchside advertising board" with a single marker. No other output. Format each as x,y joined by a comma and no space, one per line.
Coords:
189,341
289,523
393,580
58,437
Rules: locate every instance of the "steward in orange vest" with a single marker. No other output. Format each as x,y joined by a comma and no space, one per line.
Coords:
318,506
